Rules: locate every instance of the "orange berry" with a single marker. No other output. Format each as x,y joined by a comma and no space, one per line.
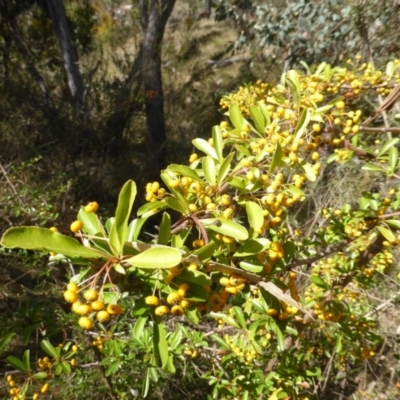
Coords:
161,310
114,309
97,305
73,287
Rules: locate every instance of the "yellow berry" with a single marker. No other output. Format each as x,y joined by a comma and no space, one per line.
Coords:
92,207
97,305
193,158
161,310
103,316
340,104
152,300
174,298
73,287
85,323
70,297
91,295
76,226
54,229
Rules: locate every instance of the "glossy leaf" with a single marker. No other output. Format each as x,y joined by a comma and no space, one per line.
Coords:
209,170
197,277
205,147
237,313
134,228
176,205
251,266
156,258
317,281
160,345
265,112
164,234
119,230
140,323
302,124
35,238
253,246
218,141
386,233
258,118
393,158
49,349
309,172
276,159
235,115
254,215
226,227
387,146
184,171
224,168
17,363
91,223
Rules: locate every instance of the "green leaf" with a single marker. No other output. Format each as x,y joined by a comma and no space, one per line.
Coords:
265,112
119,230
66,367
388,145
276,158
254,215
317,281
205,147
35,238
393,158
279,337
138,329
183,170
252,246
371,167
147,209
386,233
170,364
176,205
49,349
156,258
237,313
27,359
218,141
17,364
226,227
192,315
206,252
164,235
134,229
252,266
91,223
194,276
160,345
235,116
224,168
302,124
339,345
258,118
393,222
209,170
40,375
226,318
5,341
292,80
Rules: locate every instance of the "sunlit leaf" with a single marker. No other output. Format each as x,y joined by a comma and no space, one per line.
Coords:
156,258
254,215
160,345
205,147
224,168
164,234
258,118
217,141
184,170
209,170
386,233
119,230
235,116
226,227
276,159
35,238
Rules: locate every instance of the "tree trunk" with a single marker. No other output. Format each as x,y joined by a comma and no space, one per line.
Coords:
154,17
68,51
